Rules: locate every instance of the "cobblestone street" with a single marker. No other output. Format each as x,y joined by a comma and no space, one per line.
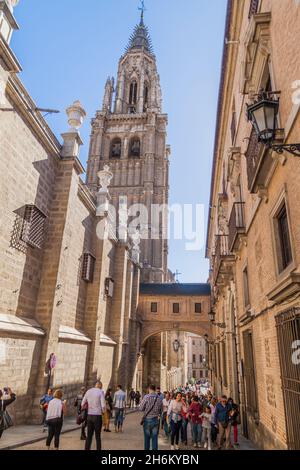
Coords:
130,439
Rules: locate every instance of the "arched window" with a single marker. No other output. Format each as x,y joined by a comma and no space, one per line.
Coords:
116,148
146,97
135,148
133,96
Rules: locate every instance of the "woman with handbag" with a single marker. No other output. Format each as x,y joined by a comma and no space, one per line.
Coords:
5,419
81,414
235,420
108,410
54,419
175,419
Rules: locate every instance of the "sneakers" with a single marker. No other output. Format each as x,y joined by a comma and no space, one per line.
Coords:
199,445
172,448
205,445
177,447
195,445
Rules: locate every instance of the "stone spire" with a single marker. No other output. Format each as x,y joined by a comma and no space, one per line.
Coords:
140,38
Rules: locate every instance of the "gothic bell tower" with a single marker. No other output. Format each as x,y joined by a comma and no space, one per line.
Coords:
129,135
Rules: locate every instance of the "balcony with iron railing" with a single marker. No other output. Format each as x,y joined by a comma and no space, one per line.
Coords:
222,264
237,225
260,164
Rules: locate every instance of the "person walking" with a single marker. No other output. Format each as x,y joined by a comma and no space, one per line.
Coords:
44,402
214,426
222,416
175,419
165,426
185,421
108,410
206,427
159,393
195,411
77,404
56,410
95,400
6,399
152,407
119,404
132,396
235,420
137,398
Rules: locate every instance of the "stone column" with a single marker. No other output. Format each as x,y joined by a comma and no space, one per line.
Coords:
120,93
48,310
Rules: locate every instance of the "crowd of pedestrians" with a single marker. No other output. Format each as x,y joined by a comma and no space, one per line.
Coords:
184,417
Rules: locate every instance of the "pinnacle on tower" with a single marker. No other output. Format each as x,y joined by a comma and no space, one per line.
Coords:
140,38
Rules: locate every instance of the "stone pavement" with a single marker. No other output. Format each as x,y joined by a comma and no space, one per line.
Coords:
131,439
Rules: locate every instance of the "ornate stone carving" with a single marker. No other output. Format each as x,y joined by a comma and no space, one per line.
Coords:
105,176
76,115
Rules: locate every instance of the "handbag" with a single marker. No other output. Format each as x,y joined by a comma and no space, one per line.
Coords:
5,419
82,417
147,414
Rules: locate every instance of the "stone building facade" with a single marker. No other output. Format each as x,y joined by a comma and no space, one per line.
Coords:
253,233
129,135
63,290
197,365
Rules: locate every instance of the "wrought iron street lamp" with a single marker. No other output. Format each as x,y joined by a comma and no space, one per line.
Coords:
176,345
263,116
212,316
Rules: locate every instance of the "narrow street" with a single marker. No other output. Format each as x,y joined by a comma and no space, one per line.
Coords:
131,439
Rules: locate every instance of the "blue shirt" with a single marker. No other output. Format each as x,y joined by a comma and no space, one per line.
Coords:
222,413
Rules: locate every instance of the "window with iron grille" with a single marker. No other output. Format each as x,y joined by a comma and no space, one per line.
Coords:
250,375
284,239
33,228
288,335
194,358
153,307
253,8
224,360
88,265
175,308
198,308
246,288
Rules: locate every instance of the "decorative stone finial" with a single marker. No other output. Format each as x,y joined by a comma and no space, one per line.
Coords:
76,115
12,4
105,176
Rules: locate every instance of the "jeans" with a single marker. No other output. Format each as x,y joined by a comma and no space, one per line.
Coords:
175,432
207,437
94,426
184,426
197,433
119,417
54,430
165,425
214,433
151,433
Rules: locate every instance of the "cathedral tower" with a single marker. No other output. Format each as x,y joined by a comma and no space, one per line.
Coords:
129,135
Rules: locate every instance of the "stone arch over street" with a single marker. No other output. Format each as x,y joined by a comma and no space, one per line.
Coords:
168,313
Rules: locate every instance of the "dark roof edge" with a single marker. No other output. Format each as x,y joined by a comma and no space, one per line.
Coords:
218,117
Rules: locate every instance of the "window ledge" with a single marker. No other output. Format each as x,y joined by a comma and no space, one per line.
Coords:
285,288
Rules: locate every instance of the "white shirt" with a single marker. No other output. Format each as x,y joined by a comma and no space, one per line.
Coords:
95,399
120,399
166,404
55,409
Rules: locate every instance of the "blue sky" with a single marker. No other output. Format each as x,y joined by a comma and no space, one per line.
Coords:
67,49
